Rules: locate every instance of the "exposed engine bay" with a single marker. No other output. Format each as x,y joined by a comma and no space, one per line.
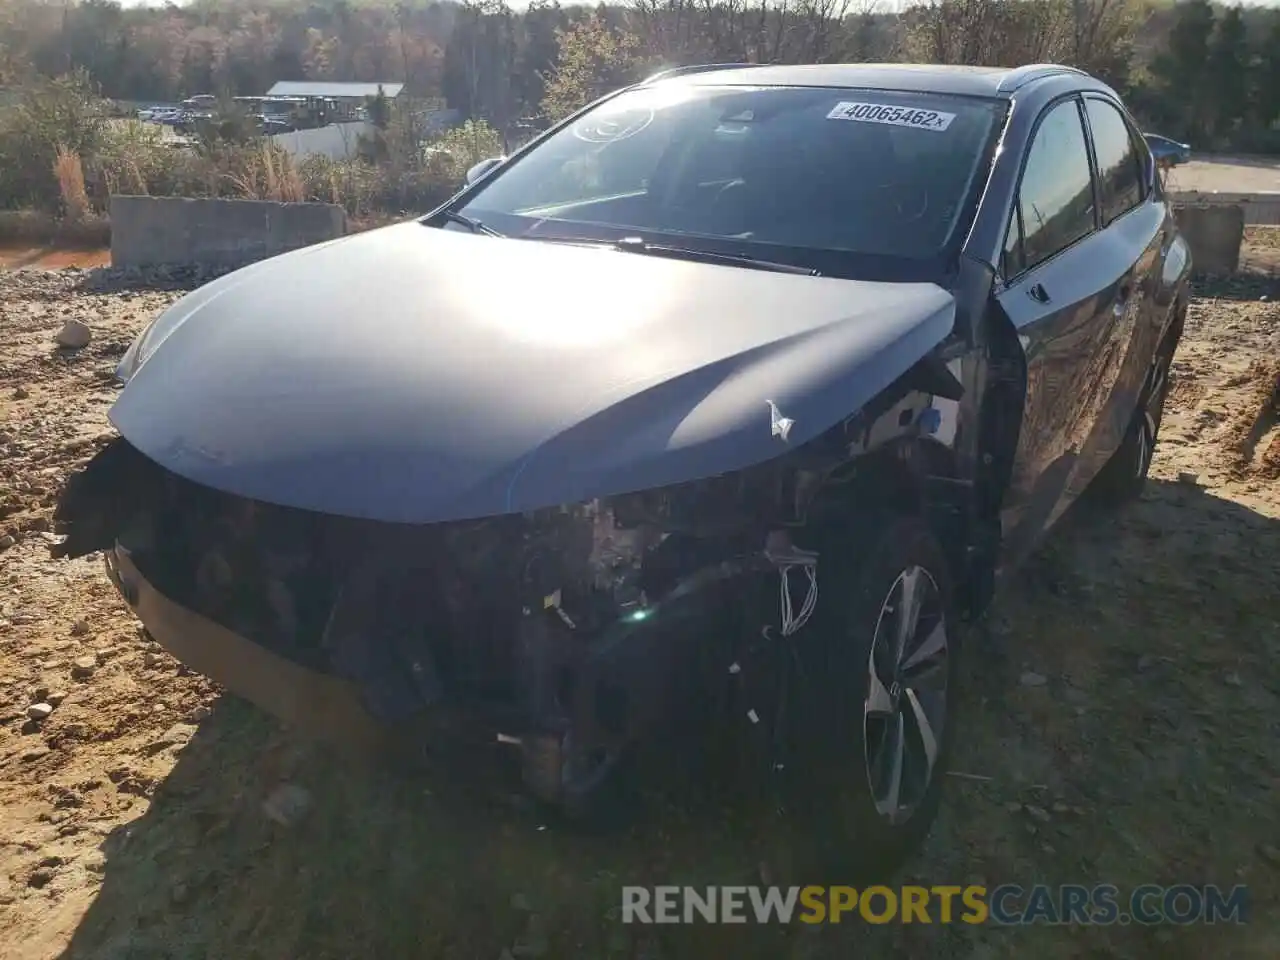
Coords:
571,632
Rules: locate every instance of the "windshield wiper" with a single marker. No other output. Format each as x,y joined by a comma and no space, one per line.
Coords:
637,245
475,226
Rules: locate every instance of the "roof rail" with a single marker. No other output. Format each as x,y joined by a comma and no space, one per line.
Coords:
695,68
1034,71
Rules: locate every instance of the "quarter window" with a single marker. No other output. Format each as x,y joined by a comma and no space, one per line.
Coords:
1013,265
1056,194
1119,163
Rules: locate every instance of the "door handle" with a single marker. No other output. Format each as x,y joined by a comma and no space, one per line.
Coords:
1038,293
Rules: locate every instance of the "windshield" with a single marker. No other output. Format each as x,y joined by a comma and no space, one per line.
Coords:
783,173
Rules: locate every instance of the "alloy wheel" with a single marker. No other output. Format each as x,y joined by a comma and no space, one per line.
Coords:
906,705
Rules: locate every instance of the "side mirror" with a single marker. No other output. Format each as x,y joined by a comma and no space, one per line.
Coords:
482,168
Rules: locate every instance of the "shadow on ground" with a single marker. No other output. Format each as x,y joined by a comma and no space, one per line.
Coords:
1148,754
1246,285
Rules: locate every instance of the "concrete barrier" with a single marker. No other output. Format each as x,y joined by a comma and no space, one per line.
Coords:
178,231
1214,232
1260,207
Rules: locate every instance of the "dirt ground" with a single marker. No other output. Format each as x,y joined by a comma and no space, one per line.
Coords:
1121,726
16,256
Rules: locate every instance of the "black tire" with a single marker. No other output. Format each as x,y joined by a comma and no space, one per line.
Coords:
834,828
1122,477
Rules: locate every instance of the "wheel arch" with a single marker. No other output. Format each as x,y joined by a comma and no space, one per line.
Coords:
1177,319
907,475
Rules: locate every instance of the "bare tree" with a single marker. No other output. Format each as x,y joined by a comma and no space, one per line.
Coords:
1096,35
749,31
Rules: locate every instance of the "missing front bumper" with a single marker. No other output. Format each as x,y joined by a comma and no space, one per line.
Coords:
322,705
331,708
511,638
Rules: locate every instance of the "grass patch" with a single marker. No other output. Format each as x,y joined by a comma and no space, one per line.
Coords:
36,228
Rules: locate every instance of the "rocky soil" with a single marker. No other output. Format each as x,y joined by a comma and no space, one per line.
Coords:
1122,724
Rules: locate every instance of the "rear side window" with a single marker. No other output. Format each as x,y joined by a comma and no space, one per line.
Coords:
1055,199
1119,163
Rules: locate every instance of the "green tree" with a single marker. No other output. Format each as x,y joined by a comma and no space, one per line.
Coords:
1269,77
63,114
15,51
593,60
379,109
1183,69
1229,66
469,143
479,62
538,50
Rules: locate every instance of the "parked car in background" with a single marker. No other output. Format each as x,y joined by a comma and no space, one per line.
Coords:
1168,153
717,407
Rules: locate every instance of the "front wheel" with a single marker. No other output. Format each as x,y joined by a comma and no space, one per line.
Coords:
875,683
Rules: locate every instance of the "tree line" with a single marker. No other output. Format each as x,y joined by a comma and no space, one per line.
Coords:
1191,69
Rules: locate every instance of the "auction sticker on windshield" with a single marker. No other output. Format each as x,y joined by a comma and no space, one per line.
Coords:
894,116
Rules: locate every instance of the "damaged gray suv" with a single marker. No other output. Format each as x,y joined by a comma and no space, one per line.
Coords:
706,418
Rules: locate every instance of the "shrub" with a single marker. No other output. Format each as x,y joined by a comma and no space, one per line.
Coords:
267,172
69,172
60,114
61,153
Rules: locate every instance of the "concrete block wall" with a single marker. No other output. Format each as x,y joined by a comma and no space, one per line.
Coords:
1260,208
1214,232
180,231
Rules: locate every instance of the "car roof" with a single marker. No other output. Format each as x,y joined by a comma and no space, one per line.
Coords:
999,82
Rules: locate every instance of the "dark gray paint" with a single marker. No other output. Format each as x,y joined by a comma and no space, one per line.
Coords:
1088,349
648,431
414,374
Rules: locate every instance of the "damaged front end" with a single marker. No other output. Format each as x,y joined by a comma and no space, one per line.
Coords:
567,633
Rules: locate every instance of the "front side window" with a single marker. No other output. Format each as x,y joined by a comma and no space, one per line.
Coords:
1119,162
782,173
1055,197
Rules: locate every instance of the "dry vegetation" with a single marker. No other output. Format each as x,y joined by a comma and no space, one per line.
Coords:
62,157
132,820
1206,74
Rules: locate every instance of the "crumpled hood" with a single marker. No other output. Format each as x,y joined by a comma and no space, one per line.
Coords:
413,374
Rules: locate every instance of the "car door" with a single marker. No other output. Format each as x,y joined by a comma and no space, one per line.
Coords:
1132,232
1068,289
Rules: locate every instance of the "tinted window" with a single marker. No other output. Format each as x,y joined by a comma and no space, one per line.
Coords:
1119,167
1056,195
799,168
